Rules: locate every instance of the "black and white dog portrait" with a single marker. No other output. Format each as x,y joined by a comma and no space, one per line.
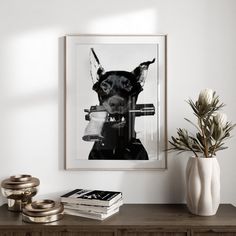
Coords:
111,123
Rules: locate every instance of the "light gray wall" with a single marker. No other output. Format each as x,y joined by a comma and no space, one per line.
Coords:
201,53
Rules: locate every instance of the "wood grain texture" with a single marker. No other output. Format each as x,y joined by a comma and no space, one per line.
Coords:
19,233
153,232
215,234
132,220
79,233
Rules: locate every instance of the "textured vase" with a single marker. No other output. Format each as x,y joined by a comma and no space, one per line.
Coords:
203,186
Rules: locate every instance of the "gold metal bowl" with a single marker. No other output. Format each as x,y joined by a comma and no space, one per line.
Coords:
43,211
19,190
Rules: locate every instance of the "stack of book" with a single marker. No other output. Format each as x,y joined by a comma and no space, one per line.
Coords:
94,204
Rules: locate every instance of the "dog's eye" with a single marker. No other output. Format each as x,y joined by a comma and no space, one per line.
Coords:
126,84
106,87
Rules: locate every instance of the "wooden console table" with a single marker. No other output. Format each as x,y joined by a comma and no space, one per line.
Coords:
132,220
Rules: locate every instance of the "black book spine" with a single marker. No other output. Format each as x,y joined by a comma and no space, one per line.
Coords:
70,193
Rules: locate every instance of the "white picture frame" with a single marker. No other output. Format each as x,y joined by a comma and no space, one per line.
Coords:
115,53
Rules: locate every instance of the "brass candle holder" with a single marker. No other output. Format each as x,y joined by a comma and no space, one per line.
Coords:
19,190
43,211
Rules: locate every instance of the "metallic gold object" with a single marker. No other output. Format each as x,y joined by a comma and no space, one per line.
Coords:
43,211
19,190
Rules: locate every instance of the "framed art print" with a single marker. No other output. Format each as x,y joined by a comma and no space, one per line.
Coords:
115,102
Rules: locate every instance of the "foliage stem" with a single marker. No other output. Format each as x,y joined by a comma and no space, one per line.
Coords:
204,137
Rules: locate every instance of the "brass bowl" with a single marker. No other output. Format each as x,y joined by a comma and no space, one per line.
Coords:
43,211
19,190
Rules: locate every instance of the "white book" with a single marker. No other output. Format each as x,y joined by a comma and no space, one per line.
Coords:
91,197
96,216
94,209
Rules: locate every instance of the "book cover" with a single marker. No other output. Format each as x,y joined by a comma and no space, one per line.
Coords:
91,197
95,216
94,209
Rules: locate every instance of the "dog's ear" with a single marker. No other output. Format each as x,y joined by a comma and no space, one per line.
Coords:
140,72
96,69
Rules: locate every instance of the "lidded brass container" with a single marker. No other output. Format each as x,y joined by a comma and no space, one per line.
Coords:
43,211
19,190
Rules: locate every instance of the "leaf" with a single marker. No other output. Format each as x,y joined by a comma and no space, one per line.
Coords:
193,124
191,103
221,148
200,139
200,146
209,137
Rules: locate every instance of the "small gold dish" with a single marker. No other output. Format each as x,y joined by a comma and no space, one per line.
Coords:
19,190
43,211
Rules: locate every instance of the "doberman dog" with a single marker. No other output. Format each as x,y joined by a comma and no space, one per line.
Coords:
118,93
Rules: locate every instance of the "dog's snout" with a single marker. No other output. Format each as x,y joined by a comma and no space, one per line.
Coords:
115,104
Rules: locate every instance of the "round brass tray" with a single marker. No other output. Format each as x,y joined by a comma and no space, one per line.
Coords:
17,182
43,211
19,190
41,219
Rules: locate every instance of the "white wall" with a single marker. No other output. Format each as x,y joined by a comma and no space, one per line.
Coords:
201,53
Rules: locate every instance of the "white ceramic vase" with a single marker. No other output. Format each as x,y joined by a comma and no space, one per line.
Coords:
203,186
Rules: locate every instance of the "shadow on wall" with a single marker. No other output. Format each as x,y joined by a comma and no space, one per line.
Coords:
167,186
176,179
33,63
103,16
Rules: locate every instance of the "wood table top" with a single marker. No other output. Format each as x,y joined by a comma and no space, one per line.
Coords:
135,215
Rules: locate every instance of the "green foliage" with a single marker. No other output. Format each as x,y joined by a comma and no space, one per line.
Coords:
212,127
